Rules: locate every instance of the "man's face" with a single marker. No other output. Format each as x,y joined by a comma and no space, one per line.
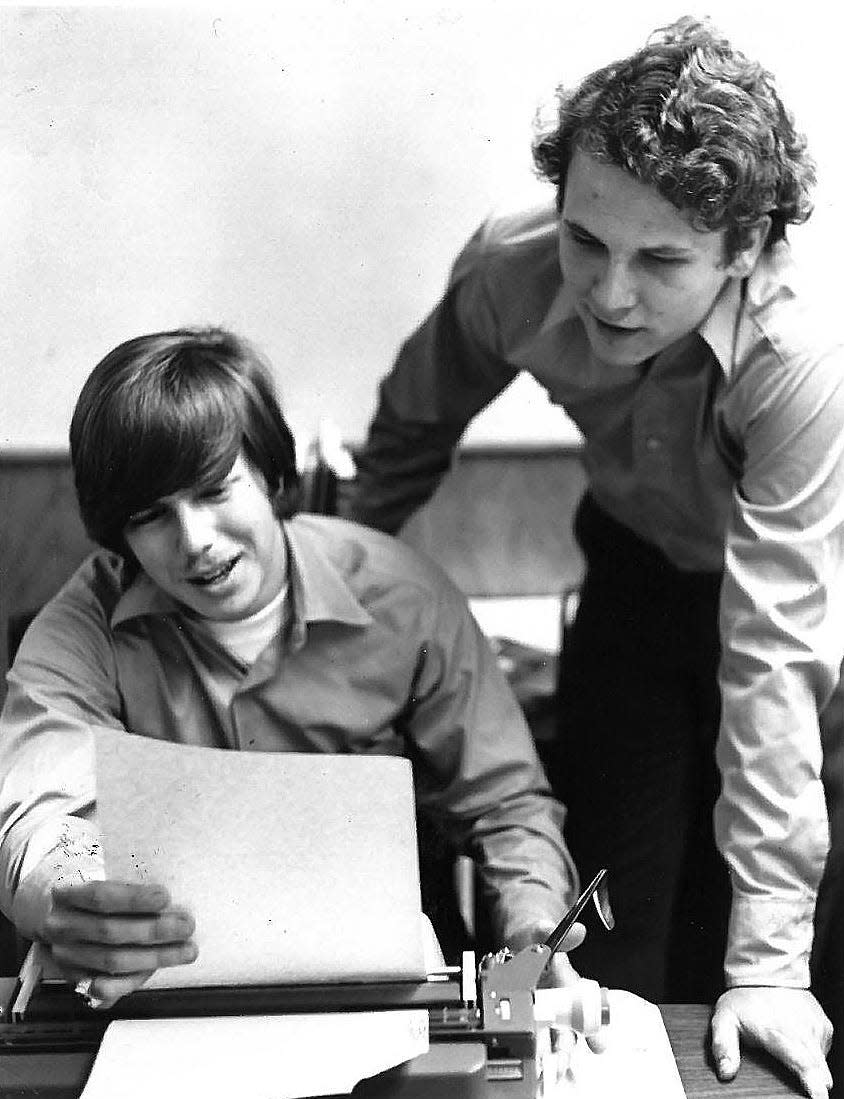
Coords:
218,550
641,275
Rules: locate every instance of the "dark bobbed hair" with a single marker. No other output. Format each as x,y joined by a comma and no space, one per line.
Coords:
171,411
693,117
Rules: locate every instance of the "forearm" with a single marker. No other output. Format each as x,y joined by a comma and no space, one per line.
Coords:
47,796
771,819
526,874
771,826
65,852
398,469
445,373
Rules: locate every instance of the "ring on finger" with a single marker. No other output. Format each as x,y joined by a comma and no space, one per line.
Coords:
83,988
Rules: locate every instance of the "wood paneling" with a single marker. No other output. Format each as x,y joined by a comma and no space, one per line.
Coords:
42,538
500,522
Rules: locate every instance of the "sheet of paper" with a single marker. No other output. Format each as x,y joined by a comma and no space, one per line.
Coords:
297,868
638,1061
256,1057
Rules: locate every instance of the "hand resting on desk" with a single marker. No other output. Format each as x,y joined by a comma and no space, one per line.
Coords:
117,934
787,1022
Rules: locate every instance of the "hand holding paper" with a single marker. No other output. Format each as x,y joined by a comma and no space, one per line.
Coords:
116,933
317,853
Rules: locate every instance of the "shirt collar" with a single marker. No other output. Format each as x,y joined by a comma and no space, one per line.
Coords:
718,327
319,591
741,299
142,597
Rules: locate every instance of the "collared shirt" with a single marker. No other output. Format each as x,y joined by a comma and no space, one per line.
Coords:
726,452
380,656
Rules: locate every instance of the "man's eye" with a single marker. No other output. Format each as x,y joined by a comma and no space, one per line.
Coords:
213,492
148,515
660,260
583,239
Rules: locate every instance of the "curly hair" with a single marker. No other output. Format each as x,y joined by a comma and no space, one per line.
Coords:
171,411
693,117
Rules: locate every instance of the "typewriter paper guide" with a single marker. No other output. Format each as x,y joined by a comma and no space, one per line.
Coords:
297,868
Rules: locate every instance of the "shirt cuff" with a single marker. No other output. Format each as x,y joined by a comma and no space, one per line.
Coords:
769,942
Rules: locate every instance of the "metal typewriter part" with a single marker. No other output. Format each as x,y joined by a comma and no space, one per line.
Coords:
493,1033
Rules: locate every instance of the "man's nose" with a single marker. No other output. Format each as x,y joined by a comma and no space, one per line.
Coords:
194,528
614,290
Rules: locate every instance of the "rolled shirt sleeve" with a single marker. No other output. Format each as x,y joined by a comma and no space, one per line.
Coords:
476,769
60,690
782,618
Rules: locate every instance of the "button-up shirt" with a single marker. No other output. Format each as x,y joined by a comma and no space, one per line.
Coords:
380,655
726,452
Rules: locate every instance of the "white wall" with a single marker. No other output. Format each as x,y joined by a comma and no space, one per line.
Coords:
303,173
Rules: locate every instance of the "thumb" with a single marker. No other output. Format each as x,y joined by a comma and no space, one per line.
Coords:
725,1043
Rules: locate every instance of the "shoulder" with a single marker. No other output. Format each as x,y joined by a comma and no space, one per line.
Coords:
783,316
785,393
375,566
509,241
510,267
77,618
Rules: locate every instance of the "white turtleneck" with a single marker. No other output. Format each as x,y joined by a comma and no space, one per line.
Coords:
247,637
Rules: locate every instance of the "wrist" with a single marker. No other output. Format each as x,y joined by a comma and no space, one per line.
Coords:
528,935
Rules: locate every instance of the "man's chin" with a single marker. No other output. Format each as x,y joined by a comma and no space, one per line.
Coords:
631,361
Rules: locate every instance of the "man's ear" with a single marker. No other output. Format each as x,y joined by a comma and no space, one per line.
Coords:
745,259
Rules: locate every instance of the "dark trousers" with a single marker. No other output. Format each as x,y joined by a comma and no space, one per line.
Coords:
634,763
828,949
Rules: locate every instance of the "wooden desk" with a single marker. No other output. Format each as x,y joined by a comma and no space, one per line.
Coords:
759,1076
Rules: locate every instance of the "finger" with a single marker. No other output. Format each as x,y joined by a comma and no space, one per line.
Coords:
123,960
816,1083
104,991
725,1043
67,925
804,1058
574,937
806,1062
827,1031
112,896
597,1042
559,973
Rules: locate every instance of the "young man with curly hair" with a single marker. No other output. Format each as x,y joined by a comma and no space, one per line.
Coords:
656,302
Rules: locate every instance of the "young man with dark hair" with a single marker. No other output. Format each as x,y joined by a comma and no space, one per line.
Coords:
216,616
655,300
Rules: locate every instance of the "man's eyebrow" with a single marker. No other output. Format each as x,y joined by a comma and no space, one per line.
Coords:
678,250
571,224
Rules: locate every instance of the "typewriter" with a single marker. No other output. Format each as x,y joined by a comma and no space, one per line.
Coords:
491,1029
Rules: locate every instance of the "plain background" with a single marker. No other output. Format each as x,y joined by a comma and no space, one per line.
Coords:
304,174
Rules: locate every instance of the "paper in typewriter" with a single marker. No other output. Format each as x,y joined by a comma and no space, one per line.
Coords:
297,868
256,1057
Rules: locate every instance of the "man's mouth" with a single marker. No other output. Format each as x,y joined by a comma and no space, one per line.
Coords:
614,329
213,575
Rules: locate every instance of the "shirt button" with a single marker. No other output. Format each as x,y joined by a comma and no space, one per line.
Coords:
653,443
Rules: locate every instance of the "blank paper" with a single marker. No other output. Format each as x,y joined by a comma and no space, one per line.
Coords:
258,1057
298,868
